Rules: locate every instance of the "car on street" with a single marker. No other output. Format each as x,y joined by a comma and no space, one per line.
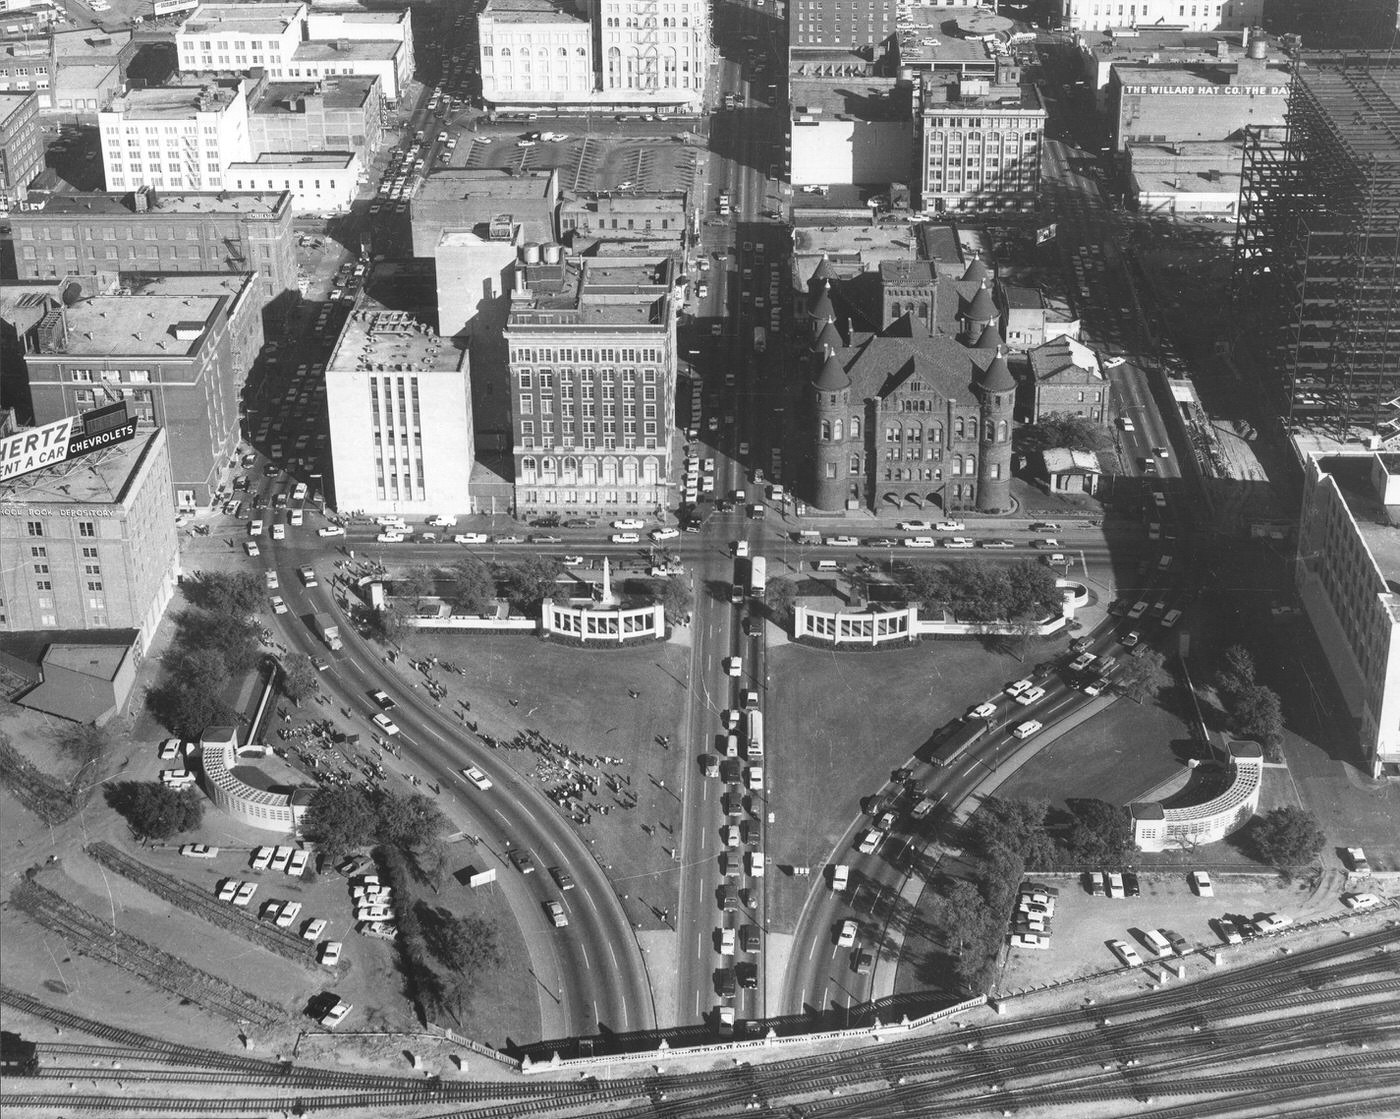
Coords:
880,542
1028,728
914,526
308,575
863,962
390,538
1031,695
846,936
477,777
625,538
1113,362
870,841
730,833
384,702
754,776
330,530
522,861
562,878
950,526
199,851
724,1022
629,524
960,542
1126,953
842,542
384,723
556,914
756,863
1126,423
1129,639
727,941
920,542
470,538
1201,883
1014,690
733,666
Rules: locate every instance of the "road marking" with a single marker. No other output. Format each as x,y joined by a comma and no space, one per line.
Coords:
584,949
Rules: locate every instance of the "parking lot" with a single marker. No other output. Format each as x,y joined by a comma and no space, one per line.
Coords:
1083,925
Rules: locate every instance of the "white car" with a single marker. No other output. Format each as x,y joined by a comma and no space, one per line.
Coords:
755,777
281,857
986,710
227,889
245,893
731,835
255,528
374,913
625,538
914,526
846,938
664,533
733,666
336,1014
1031,940
169,749
199,851
251,548
272,580
1126,423
1018,687
1361,901
629,523
727,938
1126,953
442,520
1028,728
296,865
278,605
919,542
960,542
386,724
950,526
842,542
390,538
330,953
477,777
330,530
557,914
1031,695
871,841
279,532
470,538
314,929
756,863
1200,882
262,858
1112,362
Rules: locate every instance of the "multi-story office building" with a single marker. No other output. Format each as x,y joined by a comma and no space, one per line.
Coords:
644,54
850,131
26,63
657,220
399,399
319,182
1346,572
866,29
21,144
593,369
177,349
341,114
180,137
535,50
146,231
89,66
91,544
290,41
1316,251
1190,15
980,142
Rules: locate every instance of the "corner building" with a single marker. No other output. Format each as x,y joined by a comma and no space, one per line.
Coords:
592,351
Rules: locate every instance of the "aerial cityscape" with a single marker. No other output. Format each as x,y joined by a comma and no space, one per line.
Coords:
653,558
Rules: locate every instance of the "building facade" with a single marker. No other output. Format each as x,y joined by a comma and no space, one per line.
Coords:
849,131
147,231
980,143
91,544
1202,15
398,396
1067,381
27,63
177,137
655,220
1166,104
341,114
535,51
177,350
653,51
21,144
592,352
1345,571
319,182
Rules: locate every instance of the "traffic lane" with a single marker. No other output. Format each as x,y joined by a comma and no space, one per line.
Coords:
442,755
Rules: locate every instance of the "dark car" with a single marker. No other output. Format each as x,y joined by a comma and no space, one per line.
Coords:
1131,886
1081,644
863,962
576,522
522,862
509,540
545,522
747,975
880,542
545,538
748,896
752,626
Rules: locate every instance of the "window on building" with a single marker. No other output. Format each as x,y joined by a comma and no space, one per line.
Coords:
35,528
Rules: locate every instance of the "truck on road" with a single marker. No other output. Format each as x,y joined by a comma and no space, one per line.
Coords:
758,576
327,629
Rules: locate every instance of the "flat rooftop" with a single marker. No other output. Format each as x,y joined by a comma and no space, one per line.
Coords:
89,43
930,36
1372,134
344,91
394,324
338,160
870,99
603,291
1201,74
1378,525
1126,43
247,19
167,318
359,15
99,203
939,96
10,104
626,202
92,480
172,101
347,50
532,11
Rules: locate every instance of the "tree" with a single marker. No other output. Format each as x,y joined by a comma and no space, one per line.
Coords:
225,592
1101,832
471,586
191,698
338,820
1142,676
408,821
1236,671
300,679
1287,836
156,811
1031,590
85,743
674,596
387,623
233,636
1075,433
1257,713
959,913
780,600
417,583
529,582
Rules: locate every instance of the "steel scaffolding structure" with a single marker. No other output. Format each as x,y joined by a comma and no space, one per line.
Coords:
1317,253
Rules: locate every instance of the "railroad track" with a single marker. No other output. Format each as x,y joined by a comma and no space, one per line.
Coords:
91,937
186,896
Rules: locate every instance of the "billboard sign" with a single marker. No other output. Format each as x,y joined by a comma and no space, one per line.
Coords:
68,438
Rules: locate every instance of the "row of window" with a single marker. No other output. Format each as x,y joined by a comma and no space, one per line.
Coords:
40,551
586,378
589,470
151,231
568,441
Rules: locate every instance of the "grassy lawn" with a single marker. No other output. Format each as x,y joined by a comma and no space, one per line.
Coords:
840,722
580,697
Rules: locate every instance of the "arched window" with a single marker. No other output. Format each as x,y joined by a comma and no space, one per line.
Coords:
895,311
958,430
855,428
1001,431
970,467
989,431
649,471
836,431
590,471
563,52
570,469
937,435
548,467
826,429
855,464
914,432
609,471
891,434
528,468
629,472
505,52
955,465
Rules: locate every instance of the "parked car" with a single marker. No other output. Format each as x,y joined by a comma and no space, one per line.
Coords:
1126,953
199,851
1200,882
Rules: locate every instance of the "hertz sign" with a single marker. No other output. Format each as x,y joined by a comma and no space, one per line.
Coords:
68,438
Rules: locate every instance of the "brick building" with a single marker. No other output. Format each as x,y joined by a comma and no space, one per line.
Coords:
21,144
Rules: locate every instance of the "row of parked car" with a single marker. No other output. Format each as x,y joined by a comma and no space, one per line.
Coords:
1035,909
